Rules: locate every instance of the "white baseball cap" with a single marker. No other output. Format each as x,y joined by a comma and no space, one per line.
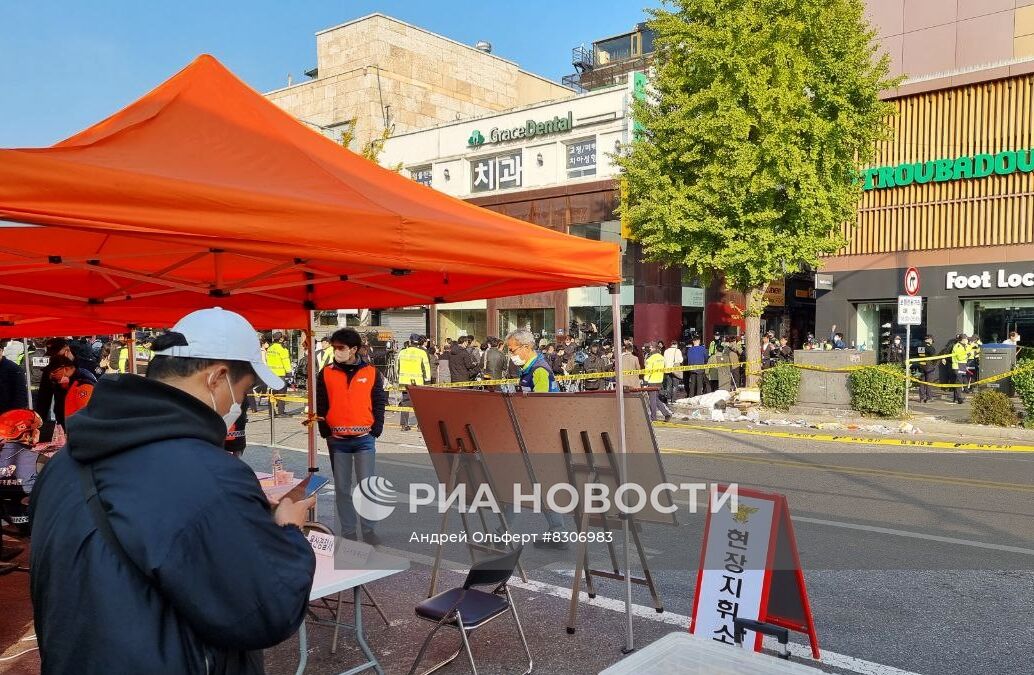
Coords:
221,335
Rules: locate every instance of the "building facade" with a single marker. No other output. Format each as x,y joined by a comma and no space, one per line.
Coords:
389,75
549,164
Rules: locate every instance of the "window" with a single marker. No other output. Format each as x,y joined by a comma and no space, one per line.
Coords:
421,174
496,173
581,158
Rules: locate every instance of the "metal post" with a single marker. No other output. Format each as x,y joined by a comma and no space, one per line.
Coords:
28,369
310,394
615,306
272,415
131,348
908,344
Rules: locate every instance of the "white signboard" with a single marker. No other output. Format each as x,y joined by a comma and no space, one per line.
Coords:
322,543
910,310
732,580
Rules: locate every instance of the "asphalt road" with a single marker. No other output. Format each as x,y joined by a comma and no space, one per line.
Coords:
915,560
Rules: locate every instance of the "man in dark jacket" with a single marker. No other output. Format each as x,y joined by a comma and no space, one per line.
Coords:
495,361
48,395
154,550
463,367
14,393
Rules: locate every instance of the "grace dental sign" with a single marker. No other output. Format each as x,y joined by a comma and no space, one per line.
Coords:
1000,279
980,165
530,129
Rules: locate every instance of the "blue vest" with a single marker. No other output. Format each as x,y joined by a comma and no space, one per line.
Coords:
527,382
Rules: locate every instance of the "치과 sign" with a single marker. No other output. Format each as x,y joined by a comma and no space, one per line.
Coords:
980,165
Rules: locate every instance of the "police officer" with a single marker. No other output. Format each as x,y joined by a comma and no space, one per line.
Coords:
960,366
927,369
414,368
350,402
654,367
279,361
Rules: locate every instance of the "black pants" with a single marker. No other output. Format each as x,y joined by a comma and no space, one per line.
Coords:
960,379
403,403
925,389
697,383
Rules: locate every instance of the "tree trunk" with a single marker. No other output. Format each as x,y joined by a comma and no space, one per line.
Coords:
752,314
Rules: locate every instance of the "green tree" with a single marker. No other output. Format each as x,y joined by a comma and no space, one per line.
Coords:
751,137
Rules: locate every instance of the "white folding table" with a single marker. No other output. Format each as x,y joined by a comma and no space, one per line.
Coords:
692,655
328,581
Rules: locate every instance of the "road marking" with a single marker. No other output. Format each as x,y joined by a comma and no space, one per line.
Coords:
830,438
915,535
801,652
757,458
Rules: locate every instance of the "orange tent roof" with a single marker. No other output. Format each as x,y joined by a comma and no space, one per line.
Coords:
204,193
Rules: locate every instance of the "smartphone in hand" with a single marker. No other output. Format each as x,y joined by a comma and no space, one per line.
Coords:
308,487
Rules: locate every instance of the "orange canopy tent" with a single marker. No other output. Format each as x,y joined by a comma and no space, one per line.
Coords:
203,192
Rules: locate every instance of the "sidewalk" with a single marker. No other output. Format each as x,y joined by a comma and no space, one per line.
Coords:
939,419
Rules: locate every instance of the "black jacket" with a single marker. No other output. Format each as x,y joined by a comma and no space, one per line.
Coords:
378,395
463,367
13,392
223,579
495,364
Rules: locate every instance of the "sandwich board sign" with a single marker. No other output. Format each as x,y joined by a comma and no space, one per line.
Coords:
750,569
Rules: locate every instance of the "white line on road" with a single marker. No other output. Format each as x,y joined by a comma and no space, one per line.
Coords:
800,651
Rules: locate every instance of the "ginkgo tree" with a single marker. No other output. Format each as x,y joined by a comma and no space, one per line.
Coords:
758,118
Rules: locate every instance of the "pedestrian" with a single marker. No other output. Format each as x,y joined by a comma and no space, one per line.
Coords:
463,367
895,352
927,368
836,339
654,378
697,380
76,384
49,400
350,402
629,362
716,344
960,366
724,371
14,390
973,367
1013,339
414,368
672,359
325,354
191,573
734,354
535,373
594,363
19,433
784,353
279,361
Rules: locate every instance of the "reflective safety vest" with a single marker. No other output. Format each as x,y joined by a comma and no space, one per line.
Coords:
77,396
414,368
324,357
233,433
655,369
959,356
123,359
278,360
351,403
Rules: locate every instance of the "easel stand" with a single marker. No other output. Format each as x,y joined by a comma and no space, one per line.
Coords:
580,473
468,466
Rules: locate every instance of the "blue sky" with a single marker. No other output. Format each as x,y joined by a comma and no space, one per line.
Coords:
67,64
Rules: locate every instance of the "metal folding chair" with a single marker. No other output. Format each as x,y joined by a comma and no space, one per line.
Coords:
467,609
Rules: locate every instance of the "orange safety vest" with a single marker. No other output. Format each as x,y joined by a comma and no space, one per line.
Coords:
351,403
233,434
77,396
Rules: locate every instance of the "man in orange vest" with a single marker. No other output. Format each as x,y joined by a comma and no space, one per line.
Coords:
350,401
76,383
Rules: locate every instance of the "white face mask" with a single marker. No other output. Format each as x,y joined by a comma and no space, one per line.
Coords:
517,359
235,409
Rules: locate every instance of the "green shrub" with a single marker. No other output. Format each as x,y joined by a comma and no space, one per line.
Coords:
1023,383
994,408
779,386
877,390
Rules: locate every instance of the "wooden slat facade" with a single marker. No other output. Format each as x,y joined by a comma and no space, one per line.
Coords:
988,117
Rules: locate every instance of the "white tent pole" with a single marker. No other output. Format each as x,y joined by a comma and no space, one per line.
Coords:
28,369
615,304
310,387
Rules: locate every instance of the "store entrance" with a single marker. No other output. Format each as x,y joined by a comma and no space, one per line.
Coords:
995,319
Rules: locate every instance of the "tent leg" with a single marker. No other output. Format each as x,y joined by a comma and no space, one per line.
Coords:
615,305
131,349
26,362
310,386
